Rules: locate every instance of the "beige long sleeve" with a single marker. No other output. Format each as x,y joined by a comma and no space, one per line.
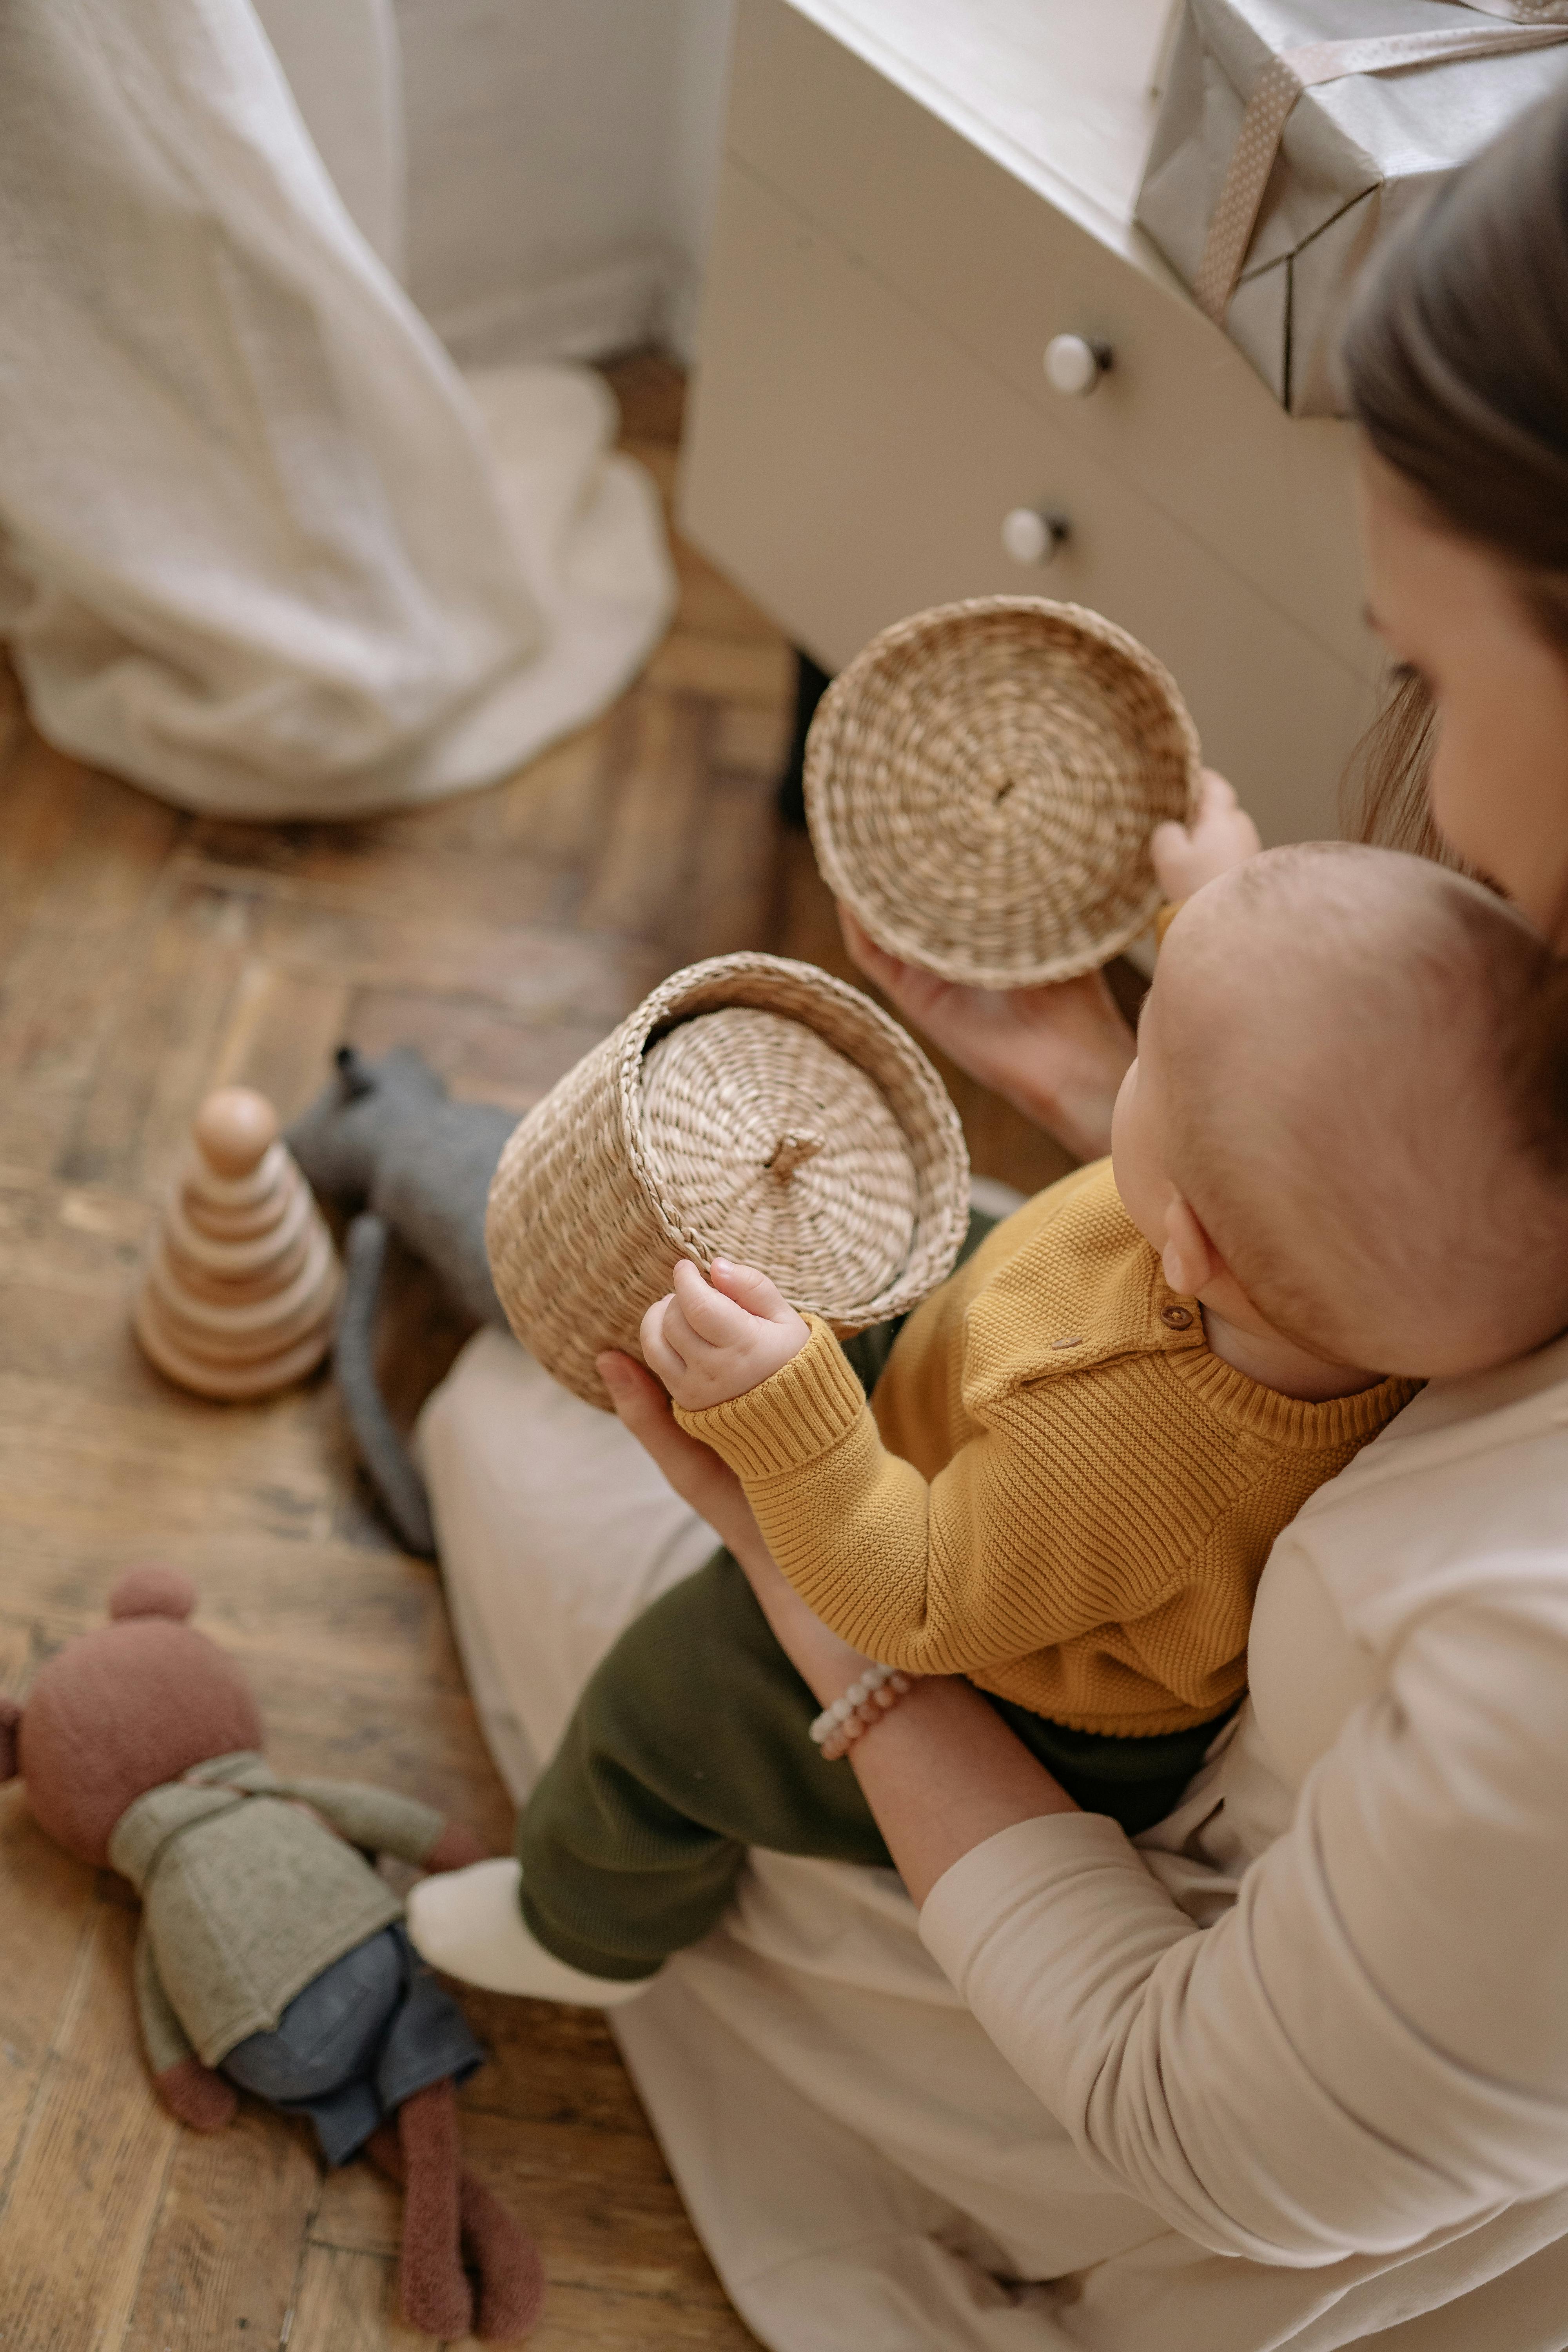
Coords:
1372,2045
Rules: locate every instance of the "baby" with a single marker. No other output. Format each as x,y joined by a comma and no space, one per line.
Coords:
1070,1475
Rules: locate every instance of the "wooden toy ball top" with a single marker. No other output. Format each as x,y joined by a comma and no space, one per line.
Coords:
234,1129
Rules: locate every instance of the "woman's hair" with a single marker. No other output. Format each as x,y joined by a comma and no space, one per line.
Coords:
1456,363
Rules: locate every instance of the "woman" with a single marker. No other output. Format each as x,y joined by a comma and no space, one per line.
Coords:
1307,2045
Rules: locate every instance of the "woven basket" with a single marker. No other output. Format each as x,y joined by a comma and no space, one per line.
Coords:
750,1107
981,783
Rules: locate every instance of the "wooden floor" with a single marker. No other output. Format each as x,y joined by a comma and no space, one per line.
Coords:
145,956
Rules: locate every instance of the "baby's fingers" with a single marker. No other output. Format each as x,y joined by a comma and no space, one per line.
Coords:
710,1315
657,1353
751,1288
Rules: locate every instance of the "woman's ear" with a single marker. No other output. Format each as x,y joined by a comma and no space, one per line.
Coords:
1189,1258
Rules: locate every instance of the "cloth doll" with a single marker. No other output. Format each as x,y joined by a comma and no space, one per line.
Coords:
272,1956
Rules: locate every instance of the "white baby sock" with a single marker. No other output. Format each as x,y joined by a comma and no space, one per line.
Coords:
469,1924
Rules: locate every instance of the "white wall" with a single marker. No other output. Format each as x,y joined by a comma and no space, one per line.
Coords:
562,158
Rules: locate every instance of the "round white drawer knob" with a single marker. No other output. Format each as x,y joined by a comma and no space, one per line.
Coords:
1075,366
1030,536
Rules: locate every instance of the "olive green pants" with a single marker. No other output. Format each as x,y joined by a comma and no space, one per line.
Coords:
690,1745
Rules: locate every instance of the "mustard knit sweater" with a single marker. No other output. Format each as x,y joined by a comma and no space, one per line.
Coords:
1060,1491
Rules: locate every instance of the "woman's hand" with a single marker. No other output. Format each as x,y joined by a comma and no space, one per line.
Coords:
693,1469
1058,1055
1221,835
713,1491
941,1772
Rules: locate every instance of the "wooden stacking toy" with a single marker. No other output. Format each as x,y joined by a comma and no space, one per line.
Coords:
981,784
750,1107
239,1291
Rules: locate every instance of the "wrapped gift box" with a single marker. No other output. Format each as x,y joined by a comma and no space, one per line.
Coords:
1295,135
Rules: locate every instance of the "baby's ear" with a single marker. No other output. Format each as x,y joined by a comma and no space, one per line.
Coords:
1189,1259
10,1722
152,1592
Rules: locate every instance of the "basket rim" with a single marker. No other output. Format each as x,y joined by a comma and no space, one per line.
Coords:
822,744
720,982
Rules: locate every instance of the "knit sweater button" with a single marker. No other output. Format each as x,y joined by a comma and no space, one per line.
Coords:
1180,1318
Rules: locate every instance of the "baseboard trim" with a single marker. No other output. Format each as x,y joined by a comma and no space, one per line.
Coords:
639,298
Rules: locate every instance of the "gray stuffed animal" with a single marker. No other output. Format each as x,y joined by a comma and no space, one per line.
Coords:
385,1143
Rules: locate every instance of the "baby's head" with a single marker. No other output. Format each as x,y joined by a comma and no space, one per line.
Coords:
1335,1108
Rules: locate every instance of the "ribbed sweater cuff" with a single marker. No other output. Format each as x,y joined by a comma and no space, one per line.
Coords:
804,1409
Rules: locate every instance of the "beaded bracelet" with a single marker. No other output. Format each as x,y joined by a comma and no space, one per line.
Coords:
866,1701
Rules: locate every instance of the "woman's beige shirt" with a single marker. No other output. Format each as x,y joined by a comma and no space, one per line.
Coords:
1359,1919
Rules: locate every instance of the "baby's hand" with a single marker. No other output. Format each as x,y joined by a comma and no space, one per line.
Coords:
1221,835
710,1341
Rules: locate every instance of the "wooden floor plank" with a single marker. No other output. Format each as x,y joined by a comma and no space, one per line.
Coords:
282,1029
13,714
45,1911
650,396
548,2064
599,2203
481,1049
46,795
159,1050
711,606
727,901
730,669
647,849
583,2319
77,1239
229,2238
385,1610
555,810
90,2177
752,739
63,984
551,812
536,971
348,2303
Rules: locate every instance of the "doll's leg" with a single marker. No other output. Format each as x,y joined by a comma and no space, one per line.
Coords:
688,1745
511,2275
436,2296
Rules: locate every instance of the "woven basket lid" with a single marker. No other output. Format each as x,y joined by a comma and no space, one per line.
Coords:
777,1149
750,1107
981,783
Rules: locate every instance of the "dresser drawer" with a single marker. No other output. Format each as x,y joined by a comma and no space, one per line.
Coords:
1001,265
848,463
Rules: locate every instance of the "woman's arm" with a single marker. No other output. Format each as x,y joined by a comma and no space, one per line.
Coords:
941,1772
1058,1055
1324,2071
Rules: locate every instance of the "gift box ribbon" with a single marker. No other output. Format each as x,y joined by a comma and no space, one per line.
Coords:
1279,87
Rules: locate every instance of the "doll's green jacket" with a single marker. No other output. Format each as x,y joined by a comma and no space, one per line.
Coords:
250,1886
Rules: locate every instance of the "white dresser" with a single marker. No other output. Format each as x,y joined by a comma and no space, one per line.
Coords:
916,197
